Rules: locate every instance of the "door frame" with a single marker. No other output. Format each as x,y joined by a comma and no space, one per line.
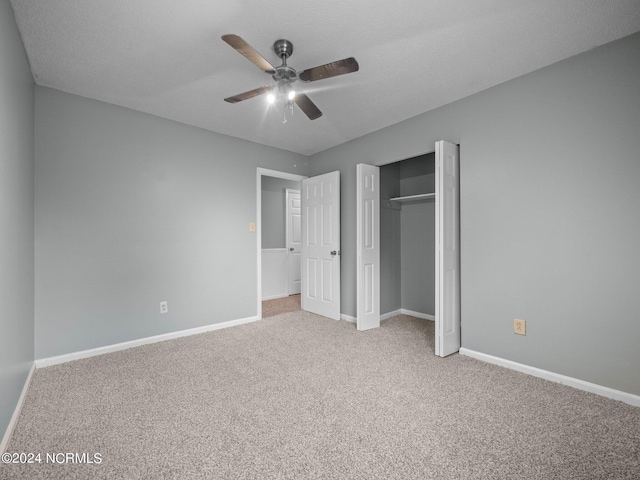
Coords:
260,172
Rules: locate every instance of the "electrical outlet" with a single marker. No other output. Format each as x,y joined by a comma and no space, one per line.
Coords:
164,307
519,327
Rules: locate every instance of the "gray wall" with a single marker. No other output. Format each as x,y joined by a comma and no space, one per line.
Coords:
390,248
16,215
417,241
132,210
550,168
417,236
274,212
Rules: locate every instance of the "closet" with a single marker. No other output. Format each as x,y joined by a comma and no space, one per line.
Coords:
407,237
407,242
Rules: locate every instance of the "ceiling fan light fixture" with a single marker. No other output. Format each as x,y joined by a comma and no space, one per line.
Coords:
285,76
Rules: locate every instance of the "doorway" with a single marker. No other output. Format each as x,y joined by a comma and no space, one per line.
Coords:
271,234
280,236
320,245
441,189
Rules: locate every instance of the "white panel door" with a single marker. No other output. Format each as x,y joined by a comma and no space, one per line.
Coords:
447,249
321,245
294,240
368,246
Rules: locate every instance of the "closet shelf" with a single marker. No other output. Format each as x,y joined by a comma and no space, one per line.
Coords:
413,198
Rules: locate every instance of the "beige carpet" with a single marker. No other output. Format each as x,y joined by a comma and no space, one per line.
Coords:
299,396
277,306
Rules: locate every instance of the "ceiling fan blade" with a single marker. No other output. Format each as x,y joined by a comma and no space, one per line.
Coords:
246,95
307,106
329,70
248,51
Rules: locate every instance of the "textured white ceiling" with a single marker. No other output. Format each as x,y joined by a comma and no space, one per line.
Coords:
166,58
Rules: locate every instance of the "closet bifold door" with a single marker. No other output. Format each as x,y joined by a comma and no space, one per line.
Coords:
447,325
368,246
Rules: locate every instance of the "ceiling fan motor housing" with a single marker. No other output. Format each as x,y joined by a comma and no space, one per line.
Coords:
283,48
285,73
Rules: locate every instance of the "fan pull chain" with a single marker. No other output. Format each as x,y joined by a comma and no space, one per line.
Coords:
288,105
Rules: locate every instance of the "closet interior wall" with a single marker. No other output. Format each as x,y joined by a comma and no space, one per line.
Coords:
407,237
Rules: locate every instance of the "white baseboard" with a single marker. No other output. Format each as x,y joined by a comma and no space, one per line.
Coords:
348,318
384,316
46,362
404,311
424,316
273,297
625,397
16,413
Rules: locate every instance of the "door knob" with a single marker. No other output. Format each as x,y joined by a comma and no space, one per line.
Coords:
334,253
291,249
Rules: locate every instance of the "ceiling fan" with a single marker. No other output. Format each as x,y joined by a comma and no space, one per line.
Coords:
285,76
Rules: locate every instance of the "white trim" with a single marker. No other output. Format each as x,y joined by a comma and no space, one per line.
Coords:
424,316
275,297
16,413
387,315
348,318
603,391
268,173
275,173
69,357
404,311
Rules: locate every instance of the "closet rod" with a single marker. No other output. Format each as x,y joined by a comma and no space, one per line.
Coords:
413,198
